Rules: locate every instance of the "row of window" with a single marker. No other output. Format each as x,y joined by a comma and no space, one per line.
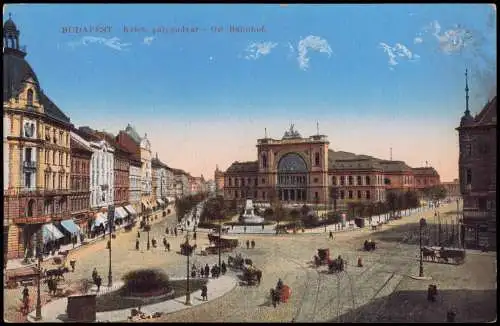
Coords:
78,204
51,206
56,180
343,194
80,166
58,157
80,183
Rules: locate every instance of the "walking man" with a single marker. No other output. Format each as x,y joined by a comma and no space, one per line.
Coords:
98,282
253,244
137,244
204,293
331,235
248,244
94,274
194,235
168,246
138,234
175,231
207,271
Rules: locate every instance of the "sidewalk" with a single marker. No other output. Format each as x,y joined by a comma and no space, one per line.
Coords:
55,311
18,263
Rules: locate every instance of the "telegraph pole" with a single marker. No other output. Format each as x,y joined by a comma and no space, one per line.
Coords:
111,214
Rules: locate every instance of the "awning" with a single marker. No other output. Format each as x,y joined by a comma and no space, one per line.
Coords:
120,213
131,209
161,202
50,232
71,226
100,219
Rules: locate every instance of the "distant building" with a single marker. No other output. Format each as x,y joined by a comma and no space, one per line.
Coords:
219,181
426,177
304,170
477,172
452,188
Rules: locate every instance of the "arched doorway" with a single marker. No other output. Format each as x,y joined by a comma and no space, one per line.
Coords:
292,178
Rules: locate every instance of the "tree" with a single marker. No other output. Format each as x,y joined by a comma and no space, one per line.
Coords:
294,214
391,201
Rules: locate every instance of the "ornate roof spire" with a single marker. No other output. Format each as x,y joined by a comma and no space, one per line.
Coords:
467,112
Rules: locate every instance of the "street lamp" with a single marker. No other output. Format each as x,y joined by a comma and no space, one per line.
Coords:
38,312
421,270
148,228
220,242
111,214
187,250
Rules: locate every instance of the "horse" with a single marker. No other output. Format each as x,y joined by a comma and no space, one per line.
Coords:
59,273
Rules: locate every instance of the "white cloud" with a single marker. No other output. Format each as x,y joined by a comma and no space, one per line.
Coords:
398,51
418,40
148,40
452,40
311,42
257,49
113,42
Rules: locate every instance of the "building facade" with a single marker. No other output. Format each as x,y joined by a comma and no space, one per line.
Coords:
161,180
182,187
135,177
304,170
452,188
426,177
477,173
219,181
37,160
81,154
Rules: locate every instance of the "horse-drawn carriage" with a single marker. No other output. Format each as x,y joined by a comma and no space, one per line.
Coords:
238,261
444,255
252,275
369,245
226,243
323,257
280,294
336,265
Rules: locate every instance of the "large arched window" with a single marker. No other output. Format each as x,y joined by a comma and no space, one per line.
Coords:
292,163
29,97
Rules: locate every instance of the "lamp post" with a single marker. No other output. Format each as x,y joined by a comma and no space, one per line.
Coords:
111,214
38,313
188,295
458,222
421,270
219,242
148,227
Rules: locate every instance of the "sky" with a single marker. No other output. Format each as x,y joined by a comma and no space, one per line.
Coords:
204,81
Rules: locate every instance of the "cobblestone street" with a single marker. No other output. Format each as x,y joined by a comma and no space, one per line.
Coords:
316,295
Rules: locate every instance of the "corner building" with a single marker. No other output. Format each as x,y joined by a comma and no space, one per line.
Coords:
37,157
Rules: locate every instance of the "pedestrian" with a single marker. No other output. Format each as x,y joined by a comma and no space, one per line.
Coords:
165,243
193,273
331,235
175,231
168,246
204,293
52,285
138,234
182,230
262,226
108,245
194,235
94,274
248,244
207,271
232,226
72,263
202,272
223,268
26,300
137,244
98,282
26,292
253,244
166,230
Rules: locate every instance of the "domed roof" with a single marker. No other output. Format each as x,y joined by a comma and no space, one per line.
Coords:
15,71
9,25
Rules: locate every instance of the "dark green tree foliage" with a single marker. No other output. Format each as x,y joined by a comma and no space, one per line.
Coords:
186,204
145,280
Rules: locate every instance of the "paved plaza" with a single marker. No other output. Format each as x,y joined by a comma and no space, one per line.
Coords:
358,294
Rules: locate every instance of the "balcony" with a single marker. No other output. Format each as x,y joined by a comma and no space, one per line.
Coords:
29,165
42,219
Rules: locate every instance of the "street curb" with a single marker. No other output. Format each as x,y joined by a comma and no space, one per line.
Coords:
423,278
